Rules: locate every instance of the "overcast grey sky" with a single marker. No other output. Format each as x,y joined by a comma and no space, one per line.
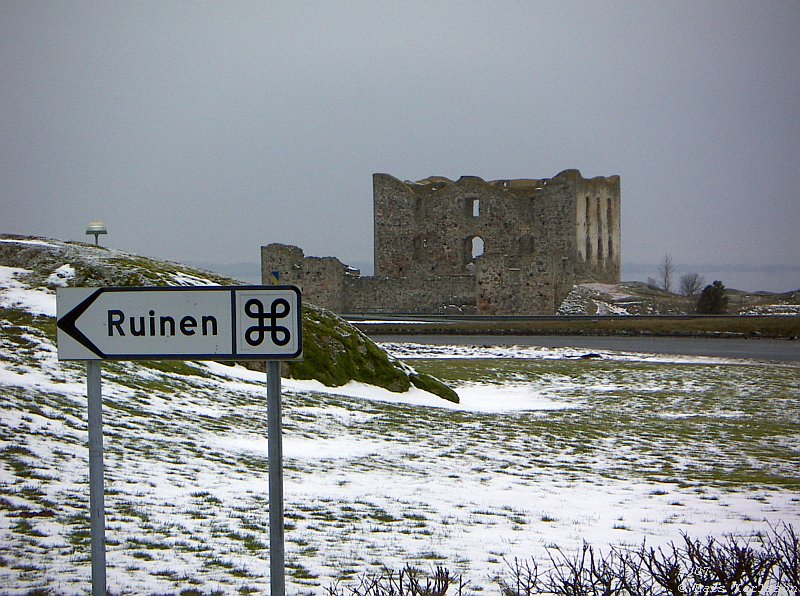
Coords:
200,131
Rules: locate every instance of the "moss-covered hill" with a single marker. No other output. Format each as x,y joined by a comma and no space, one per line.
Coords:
335,352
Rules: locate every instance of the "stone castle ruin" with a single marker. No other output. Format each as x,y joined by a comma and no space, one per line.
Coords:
504,247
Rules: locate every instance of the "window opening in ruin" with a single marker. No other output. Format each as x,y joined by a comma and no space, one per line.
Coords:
599,231
609,228
477,247
587,227
420,208
473,207
473,248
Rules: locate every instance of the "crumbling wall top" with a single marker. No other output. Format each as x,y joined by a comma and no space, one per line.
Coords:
521,186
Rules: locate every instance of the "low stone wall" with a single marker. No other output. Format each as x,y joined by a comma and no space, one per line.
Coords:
387,295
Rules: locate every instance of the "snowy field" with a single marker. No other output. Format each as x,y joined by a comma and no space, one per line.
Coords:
546,449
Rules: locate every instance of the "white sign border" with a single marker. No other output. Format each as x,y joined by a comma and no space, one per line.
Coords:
91,294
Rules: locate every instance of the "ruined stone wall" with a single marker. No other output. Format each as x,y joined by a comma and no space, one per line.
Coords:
598,228
535,237
320,279
444,295
498,247
328,283
505,286
437,227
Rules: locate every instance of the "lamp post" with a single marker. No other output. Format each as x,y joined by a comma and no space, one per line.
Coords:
96,228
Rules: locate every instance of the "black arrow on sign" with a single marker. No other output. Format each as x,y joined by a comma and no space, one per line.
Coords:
67,323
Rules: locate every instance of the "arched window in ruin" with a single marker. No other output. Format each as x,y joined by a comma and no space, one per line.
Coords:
473,248
477,247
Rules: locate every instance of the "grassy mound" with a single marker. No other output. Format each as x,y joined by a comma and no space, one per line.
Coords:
335,352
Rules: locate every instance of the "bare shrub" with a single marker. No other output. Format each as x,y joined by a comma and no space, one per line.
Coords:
524,578
666,272
691,284
749,566
729,567
784,543
663,570
409,581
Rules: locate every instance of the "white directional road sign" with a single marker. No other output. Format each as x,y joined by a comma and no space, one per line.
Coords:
180,323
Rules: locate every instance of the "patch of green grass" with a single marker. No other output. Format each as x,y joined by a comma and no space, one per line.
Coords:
217,562
80,537
176,367
299,572
335,353
383,516
24,527
207,497
143,555
431,556
250,541
16,450
16,322
432,385
651,420
127,509
136,542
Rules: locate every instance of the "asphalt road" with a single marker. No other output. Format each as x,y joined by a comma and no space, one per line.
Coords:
775,350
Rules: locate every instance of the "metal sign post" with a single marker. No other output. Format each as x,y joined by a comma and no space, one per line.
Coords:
277,580
97,511
181,323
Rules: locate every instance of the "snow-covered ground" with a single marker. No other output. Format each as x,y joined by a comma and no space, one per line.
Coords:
544,450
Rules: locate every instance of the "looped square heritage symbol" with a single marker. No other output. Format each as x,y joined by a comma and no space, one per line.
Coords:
279,334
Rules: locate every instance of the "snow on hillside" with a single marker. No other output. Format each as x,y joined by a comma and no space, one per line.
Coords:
541,451
637,298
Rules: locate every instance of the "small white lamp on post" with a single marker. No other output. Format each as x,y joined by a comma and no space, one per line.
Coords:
96,228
